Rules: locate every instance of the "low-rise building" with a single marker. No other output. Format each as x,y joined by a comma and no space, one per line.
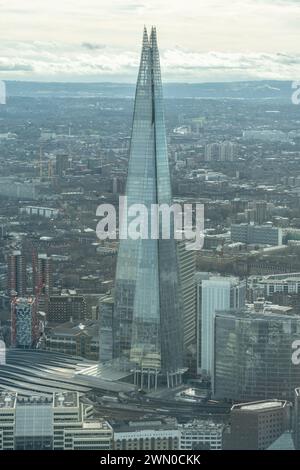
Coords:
256,425
40,211
65,307
77,339
201,434
147,435
256,234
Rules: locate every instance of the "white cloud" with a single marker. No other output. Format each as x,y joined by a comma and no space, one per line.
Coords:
100,39
49,61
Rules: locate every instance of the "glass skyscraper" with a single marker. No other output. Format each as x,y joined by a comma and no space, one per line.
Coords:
253,356
147,321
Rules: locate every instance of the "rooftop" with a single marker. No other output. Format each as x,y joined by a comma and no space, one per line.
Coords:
44,372
95,424
24,300
286,280
34,399
40,372
144,425
8,399
279,277
203,424
65,399
268,312
71,329
260,405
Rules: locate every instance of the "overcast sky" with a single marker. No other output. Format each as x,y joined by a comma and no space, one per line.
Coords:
99,40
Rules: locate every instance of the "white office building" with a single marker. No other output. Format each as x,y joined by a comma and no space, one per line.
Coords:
256,234
214,293
287,283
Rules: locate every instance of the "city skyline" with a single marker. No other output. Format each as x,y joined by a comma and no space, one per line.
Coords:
149,230
96,41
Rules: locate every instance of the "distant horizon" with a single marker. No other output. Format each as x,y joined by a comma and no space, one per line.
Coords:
246,89
133,83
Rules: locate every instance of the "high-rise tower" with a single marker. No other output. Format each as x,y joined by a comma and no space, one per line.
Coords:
42,274
148,312
42,279
24,322
16,273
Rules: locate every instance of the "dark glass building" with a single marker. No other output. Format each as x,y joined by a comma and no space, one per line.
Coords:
148,336
256,425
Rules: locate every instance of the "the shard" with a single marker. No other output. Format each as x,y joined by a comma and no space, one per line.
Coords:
148,314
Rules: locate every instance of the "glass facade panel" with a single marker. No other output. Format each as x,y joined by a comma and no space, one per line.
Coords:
253,356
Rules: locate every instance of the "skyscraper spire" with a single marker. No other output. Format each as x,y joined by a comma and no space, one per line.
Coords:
153,38
145,37
148,333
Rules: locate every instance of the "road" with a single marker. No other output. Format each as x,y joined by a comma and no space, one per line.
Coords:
155,408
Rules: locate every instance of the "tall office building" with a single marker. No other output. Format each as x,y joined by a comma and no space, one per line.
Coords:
214,293
199,277
42,280
42,274
253,354
148,335
228,151
261,212
16,281
212,152
187,266
24,324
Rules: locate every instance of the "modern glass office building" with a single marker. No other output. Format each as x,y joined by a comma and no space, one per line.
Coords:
147,320
253,355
